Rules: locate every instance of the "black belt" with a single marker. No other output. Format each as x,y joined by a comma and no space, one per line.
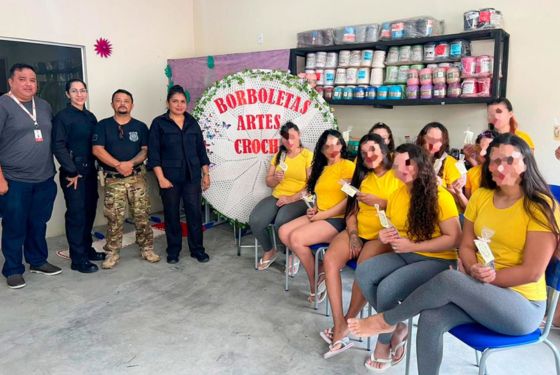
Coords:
135,171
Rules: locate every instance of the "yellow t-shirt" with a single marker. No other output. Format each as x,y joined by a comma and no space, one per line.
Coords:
450,171
295,177
327,188
397,211
508,241
526,138
382,187
474,175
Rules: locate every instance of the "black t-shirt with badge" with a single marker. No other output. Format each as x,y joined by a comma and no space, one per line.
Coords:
123,142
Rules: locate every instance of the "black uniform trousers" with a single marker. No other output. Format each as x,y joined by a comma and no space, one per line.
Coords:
191,194
81,205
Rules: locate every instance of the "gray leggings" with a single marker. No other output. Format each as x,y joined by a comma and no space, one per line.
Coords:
389,278
266,212
452,298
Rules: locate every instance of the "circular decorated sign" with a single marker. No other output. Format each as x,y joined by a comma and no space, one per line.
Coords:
240,117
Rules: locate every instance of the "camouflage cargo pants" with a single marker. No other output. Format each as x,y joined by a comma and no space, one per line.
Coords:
118,192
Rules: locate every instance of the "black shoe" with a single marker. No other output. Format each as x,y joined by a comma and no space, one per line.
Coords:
46,269
172,260
86,267
95,256
15,281
201,257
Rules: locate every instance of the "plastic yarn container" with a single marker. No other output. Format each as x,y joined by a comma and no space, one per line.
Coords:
484,66
370,92
468,88
344,58
405,54
363,76
483,86
438,76
311,60
348,92
425,76
442,51
376,77
412,77
429,52
332,60
392,56
454,90
426,91
403,73
351,76
468,66
439,90
359,93
453,75
417,53
366,58
378,59
321,60
412,91
329,77
394,92
337,93
391,74
382,92
355,58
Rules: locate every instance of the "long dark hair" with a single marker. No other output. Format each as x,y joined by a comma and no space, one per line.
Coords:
420,141
382,125
285,133
423,210
362,170
320,160
536,191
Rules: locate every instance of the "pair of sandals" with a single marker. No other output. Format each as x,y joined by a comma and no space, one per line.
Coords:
293,264
337,347
264,264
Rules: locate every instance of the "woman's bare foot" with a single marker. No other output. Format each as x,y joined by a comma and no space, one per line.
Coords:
267,259
399,336
339,332
373,325
381,357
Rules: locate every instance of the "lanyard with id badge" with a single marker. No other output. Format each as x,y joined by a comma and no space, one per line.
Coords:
33,115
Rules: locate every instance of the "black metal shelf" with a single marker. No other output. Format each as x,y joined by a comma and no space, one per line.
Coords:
390,103
500,68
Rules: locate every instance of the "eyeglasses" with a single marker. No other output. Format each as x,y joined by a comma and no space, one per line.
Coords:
121,132
76,91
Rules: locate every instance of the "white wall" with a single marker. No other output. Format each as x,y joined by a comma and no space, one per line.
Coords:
144,34
224,26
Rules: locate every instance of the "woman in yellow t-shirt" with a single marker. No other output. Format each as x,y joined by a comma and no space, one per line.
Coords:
383,130
506,294
423,232
376,181
287,176
322,222
502,120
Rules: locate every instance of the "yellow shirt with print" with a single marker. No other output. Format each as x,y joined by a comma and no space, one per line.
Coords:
382,187
526,138
508,241
327,187
397,211
474,175
295,178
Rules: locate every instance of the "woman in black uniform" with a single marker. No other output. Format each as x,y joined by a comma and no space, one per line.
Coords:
72,131
177,154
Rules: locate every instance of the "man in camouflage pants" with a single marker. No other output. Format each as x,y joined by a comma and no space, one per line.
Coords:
120,145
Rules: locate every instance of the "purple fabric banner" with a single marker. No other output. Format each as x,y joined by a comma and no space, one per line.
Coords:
196,74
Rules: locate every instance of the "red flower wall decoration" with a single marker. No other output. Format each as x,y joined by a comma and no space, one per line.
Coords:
103,47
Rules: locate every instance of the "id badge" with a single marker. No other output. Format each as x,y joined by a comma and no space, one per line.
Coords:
38,135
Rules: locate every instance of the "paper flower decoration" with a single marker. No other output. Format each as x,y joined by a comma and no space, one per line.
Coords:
103,47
